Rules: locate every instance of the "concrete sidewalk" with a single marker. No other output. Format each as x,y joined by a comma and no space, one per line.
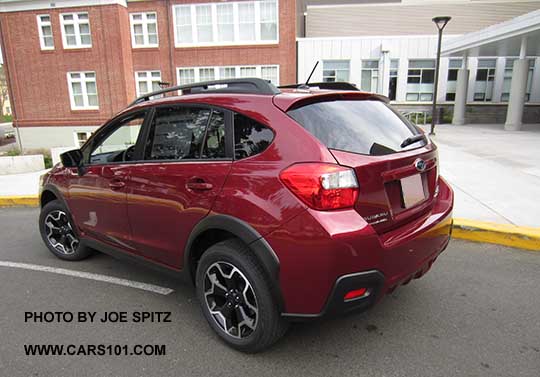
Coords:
495,173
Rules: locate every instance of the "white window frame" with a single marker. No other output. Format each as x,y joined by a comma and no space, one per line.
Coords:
144,22
84,92
42,24
195,72
149,80
216,42
374,76
258,21
217,71
508,73
76,138
334,77
451,85
420,75
270,66
490,74
212,24
217,23
76,24
393,72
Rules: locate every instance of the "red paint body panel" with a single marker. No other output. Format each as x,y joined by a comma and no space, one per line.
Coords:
162,210
99,210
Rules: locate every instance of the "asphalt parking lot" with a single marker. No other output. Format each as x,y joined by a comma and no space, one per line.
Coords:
476,313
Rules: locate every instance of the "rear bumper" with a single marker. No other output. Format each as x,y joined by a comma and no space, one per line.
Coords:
324,255
372,280
376,284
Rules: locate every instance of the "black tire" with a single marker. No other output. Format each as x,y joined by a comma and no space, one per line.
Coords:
73,251
270,326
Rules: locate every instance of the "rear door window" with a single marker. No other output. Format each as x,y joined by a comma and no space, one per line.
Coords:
177,133
250,137
360,126
214,145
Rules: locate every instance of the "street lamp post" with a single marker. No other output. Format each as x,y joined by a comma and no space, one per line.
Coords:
440,22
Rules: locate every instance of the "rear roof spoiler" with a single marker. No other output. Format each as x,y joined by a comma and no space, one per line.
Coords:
285,104
338,85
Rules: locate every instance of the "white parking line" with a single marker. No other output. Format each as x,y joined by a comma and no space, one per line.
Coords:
91,276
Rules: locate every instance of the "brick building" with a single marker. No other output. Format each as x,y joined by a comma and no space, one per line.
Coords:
72,64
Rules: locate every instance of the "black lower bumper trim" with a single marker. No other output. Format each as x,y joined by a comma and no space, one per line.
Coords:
335,306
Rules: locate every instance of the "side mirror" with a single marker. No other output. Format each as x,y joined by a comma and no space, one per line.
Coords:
72,159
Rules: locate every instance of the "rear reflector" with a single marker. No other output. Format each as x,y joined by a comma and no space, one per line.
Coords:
322,186
355,294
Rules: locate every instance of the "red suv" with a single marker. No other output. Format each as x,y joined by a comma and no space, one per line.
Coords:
278,204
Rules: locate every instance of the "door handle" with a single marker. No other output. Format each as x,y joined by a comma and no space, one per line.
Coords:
199,186
116,184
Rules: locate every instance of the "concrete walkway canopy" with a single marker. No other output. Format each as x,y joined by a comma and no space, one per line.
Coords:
519,37
502,39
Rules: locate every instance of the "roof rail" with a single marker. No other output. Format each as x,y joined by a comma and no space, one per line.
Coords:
243,85
338,85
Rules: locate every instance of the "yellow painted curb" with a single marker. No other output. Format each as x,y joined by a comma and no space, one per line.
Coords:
19,201
502,234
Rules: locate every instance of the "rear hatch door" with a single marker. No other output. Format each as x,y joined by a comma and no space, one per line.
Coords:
397,178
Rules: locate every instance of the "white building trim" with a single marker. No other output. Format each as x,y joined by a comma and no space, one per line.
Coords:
527,23
414,36
24,5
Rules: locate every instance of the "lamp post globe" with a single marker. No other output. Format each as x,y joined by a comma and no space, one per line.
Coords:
441,21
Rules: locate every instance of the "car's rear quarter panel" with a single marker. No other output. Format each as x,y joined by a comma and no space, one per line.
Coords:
253,191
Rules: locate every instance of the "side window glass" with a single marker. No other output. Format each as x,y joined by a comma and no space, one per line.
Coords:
250,137
119,145
176,133
214,145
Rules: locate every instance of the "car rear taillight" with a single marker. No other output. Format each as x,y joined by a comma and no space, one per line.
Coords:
322,186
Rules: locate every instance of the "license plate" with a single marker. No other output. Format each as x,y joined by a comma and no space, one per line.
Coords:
412,190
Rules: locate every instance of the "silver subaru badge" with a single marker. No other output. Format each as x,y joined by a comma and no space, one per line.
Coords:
420,165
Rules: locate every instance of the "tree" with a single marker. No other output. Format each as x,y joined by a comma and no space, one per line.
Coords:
3,89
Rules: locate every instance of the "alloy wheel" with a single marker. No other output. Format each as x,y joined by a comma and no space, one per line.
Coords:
231,300
59,232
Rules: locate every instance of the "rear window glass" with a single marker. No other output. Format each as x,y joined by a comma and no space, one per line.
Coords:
366,126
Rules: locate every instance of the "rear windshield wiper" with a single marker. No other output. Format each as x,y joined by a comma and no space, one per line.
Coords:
412,140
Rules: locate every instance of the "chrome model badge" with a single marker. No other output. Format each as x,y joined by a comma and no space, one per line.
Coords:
420,165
